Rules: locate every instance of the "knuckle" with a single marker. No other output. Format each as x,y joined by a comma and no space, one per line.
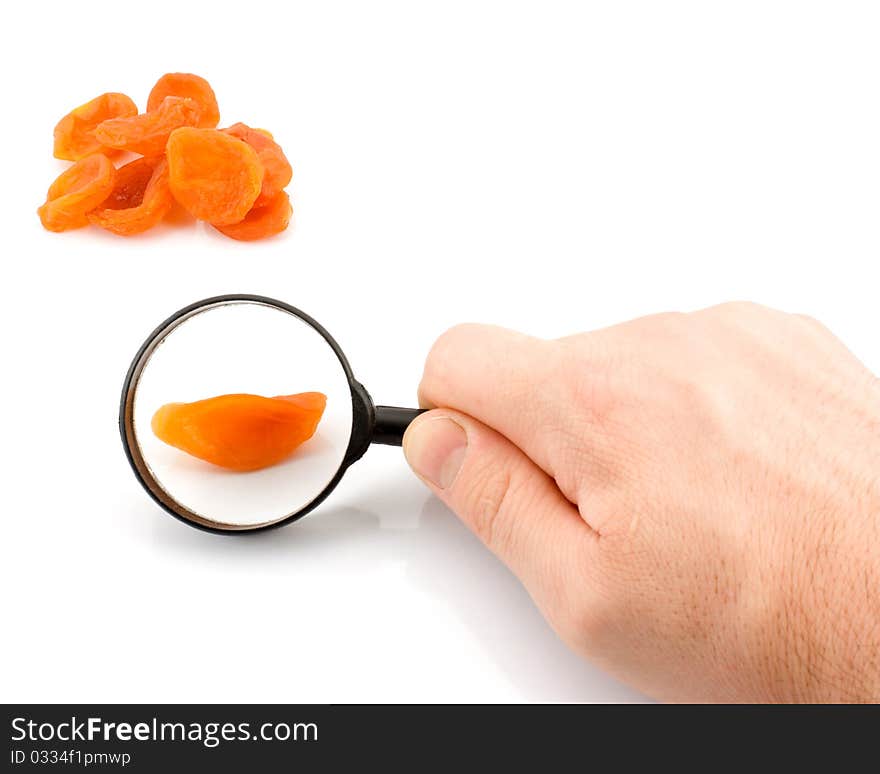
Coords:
816,325
635,335
601,393
586,384
487,501
447,341
735,310
807,318
738,306
669,320
689,393
451,337
442,352
704,408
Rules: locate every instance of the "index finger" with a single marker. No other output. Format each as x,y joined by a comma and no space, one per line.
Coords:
507,380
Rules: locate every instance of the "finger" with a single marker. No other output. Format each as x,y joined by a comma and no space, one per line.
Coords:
505,379
512,505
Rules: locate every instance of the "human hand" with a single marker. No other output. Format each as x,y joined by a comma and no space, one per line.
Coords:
692,500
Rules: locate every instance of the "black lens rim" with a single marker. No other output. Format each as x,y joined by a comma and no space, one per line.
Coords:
363,416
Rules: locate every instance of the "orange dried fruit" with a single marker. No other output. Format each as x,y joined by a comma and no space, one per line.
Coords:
270,219
148,132
277,172
215,176
241,432
187,85
131,180
140,198
77,191
74,134
232,178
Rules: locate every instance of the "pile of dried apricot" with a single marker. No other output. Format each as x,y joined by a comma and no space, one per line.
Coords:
232,178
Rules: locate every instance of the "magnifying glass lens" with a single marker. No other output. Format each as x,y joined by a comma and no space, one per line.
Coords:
242,416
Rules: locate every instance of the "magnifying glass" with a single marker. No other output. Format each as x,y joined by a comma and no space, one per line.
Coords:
240,413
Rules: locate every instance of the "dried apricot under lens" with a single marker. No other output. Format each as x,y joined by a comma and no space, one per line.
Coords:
270,219
277,172
77,191
241,432
187,85
148,132
140,198
74,134
216,177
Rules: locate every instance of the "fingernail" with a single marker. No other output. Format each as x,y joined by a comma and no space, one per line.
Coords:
434,448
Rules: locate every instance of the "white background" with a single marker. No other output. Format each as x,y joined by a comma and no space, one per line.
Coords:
550,167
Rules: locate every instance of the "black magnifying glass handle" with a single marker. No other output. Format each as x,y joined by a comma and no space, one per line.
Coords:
391,423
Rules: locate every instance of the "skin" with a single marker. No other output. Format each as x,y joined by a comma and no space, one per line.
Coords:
692,500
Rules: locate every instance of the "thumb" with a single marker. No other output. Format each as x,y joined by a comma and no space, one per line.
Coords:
512,505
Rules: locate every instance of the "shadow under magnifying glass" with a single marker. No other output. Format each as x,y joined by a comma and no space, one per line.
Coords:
447,562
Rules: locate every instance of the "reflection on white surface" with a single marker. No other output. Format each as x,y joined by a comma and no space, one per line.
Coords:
396,580
244,348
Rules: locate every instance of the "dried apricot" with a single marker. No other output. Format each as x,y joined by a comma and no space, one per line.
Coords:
77,191
241,432
131,181
270,219
74,134
213,175
148,132
277,172
232,178
140,198
187,85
